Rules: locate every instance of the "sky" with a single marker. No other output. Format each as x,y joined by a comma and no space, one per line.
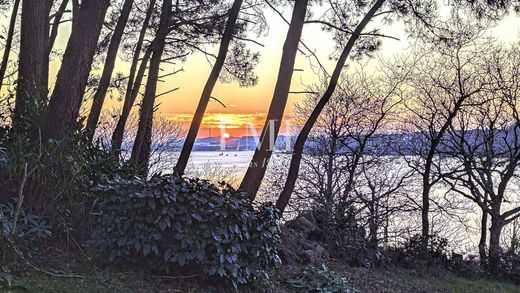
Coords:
246,107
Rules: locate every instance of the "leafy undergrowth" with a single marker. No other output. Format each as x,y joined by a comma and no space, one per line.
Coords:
334,277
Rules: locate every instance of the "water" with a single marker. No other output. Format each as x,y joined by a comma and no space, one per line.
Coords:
462,227
229,160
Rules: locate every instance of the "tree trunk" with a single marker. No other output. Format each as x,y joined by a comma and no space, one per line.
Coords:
110,61
117,136
8,42
65,103
134,83
425,212
494,244
373,241
33,64
208,88
373,222
145,154
56,24
147,105
294,167
256,171
483,240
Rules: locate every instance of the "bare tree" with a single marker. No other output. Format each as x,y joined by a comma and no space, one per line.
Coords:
380,192
485,144
346,140
441,84
166,138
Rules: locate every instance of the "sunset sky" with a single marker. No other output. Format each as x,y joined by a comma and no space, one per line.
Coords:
247,106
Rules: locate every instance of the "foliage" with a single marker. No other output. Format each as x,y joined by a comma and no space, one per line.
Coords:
168,222
53,179
8,284
343,234
28,226
510,266
319,279
19,229
436,252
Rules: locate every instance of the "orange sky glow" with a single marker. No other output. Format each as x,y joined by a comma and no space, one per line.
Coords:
246,107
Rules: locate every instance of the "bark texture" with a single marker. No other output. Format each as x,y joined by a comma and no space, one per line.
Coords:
33,62
134,82
65,102
141,145
256,171
108,69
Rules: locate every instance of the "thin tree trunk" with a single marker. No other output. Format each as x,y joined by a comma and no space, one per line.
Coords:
483,240
134,82
147,105
256,171
208,88
145,154
117,137
9,42
65,103
294,168
110,61
425,212
56,24
33,64
373,241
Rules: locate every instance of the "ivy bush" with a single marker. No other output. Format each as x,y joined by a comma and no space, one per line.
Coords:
319,279
169,222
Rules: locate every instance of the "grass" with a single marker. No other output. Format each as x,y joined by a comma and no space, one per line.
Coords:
122,283
394,279
459,285
388,280
40,283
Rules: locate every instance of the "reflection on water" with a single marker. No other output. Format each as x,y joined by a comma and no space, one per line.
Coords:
237,161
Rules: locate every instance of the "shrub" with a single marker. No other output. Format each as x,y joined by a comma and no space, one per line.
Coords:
344,235
436,252
510,265
169,222
28,226
320,279
55,181
19,237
